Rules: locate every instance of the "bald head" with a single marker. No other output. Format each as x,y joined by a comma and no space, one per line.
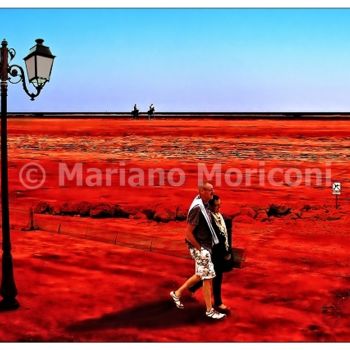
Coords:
206,191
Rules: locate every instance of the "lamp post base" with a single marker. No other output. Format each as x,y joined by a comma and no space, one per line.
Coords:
9,304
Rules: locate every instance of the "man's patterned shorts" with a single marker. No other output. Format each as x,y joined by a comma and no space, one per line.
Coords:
204,266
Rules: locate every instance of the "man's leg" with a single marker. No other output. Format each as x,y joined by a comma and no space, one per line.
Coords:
204,270
189,283
196,286
177,294
207,287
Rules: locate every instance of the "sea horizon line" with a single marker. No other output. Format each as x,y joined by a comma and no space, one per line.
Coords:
186,115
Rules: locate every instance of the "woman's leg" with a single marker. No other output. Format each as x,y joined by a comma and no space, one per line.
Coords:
217,288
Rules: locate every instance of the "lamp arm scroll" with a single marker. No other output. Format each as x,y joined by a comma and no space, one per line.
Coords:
13,71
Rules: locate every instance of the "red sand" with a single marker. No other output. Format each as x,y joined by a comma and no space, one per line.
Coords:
293,287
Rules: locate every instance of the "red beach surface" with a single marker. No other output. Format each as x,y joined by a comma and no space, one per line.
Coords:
294,285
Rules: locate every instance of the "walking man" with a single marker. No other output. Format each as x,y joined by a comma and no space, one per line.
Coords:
200,238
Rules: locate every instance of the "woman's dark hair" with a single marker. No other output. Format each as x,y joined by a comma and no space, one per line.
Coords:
213,200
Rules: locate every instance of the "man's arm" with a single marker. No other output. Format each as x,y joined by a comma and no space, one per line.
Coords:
190,237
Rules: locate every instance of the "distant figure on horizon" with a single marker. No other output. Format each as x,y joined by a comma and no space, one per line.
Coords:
151,111
135,112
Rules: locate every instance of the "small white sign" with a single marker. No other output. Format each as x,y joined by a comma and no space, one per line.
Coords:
336,187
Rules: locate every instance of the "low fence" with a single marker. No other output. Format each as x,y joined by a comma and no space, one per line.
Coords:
19,218
27,220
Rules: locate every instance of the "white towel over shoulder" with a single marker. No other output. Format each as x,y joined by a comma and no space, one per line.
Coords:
197,202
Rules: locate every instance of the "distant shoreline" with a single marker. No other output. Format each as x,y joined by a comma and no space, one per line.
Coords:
183,115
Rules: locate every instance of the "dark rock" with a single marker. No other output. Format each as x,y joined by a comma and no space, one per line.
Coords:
181,214
69,209
83,208
102,210
278,210
164,215
119,212
56,209
149,213
43,208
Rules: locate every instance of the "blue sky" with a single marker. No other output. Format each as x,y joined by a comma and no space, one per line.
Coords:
233,60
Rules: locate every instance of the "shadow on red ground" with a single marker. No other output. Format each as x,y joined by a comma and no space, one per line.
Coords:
159,314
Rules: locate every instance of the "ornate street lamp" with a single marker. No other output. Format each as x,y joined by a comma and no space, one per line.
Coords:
39,64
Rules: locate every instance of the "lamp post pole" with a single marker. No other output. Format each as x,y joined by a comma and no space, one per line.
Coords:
39,63
8,288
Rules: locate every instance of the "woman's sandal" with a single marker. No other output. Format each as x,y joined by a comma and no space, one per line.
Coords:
225,309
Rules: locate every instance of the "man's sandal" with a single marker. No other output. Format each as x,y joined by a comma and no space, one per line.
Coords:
177,301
